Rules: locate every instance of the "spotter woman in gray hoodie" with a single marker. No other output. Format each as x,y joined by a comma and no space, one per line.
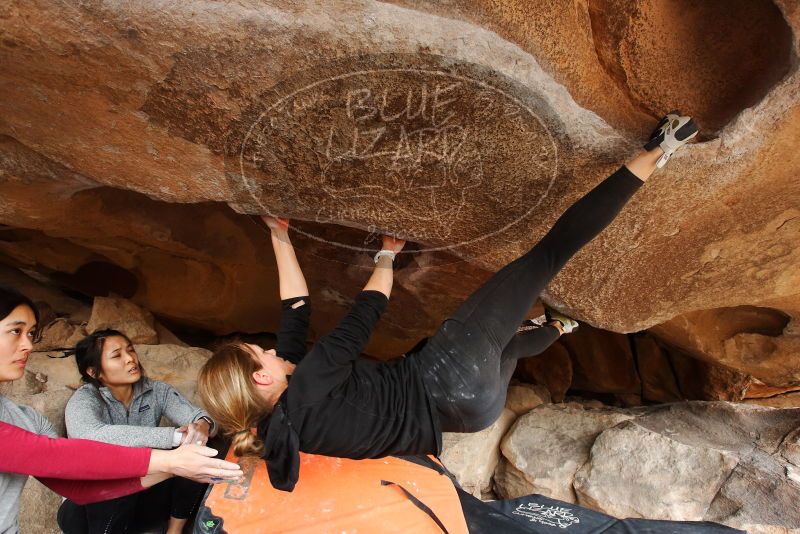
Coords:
118,404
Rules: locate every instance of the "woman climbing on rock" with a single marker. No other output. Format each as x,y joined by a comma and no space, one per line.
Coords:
330,401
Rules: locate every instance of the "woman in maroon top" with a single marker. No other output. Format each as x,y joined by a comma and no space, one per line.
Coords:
84,471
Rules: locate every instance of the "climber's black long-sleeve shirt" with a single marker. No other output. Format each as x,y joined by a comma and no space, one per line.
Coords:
339,404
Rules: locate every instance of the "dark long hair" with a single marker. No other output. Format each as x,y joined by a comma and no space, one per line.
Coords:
10,299
89,354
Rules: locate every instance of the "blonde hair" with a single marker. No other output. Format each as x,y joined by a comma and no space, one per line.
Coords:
230,396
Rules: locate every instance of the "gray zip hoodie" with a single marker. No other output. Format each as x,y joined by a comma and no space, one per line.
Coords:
93,413
11,484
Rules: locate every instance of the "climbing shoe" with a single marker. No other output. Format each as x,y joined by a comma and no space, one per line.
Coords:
671,133
568,325
531,324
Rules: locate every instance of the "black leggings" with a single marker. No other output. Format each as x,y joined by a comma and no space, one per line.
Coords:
468,363
139,512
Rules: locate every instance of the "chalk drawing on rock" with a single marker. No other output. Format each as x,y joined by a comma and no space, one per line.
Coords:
413,152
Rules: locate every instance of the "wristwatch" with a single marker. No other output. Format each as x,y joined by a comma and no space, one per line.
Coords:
208,420
385,252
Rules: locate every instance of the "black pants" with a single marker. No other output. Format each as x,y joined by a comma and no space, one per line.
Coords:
139,512
468,363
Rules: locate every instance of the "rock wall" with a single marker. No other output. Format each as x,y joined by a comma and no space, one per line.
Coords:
465,126
135,136
631,370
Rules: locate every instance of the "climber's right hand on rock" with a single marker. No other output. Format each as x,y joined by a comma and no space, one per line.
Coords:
392,243
276,224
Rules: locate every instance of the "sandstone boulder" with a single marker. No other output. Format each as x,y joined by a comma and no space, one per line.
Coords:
166,337
759,390
49,371
602,361
670,374
125,316
551,369
472,458
757,340
127,131
522,398
659,383
715,461
60,334
789,400
791,448
633,472
547,446
174,364
631,369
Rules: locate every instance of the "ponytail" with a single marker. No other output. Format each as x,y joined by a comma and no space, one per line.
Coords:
246,443
231,398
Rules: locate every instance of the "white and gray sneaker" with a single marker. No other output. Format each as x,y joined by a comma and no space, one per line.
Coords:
671,133
532,324
568,324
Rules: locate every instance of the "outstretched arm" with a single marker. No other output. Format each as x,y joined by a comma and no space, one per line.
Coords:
195,463
383,275
27,453
290,276
295,303
333,354
89,471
